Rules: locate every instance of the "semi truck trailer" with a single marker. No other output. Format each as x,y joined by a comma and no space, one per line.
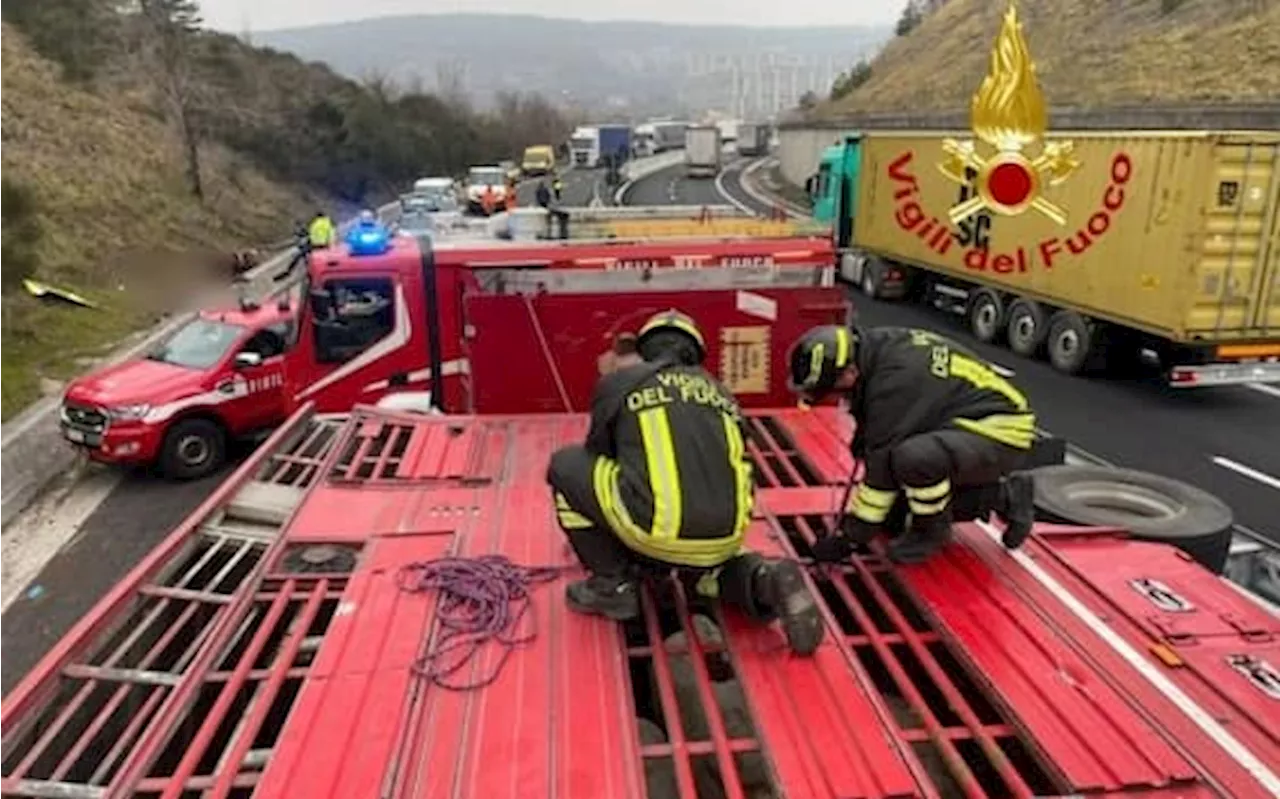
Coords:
1104,250
753,138
702,151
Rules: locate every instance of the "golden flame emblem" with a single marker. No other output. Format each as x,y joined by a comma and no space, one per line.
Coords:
1008,115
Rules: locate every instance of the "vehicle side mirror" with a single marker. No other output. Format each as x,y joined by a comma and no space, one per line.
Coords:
319,301
248,360
809,184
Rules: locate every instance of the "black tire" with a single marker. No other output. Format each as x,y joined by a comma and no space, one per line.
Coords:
193,448
1070,345
872,277
1151,507
1025,328
986,316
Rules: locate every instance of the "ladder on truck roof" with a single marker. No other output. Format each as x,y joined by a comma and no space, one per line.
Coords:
630,281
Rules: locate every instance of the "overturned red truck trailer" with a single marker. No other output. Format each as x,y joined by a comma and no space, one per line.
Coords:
269,648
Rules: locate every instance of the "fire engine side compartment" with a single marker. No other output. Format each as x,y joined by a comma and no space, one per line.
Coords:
1171,233
538,354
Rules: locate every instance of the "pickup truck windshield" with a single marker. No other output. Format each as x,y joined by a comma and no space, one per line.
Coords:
199,344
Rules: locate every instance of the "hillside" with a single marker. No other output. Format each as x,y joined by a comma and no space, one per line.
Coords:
98,194
1089,54
105,186
634,68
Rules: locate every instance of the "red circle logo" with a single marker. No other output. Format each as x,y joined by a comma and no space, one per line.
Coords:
1010,184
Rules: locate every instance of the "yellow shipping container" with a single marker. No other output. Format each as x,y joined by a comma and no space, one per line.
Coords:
1172,233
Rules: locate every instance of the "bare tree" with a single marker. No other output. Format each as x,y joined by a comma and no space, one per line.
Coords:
169,27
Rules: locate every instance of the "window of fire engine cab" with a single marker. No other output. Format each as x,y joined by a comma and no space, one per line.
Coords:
351,315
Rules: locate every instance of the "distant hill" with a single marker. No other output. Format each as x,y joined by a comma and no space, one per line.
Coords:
1089,53
630,67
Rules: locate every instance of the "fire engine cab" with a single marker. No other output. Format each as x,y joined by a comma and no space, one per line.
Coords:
383,314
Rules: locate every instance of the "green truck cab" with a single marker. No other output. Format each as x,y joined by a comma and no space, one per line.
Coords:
833,195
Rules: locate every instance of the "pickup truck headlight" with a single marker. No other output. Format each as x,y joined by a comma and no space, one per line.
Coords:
128,413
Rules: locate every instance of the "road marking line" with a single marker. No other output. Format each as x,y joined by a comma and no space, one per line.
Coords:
724,192
1265,389
1202,719
1251,473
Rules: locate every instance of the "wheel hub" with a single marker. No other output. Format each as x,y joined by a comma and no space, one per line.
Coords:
1024,327
193,450
1068,342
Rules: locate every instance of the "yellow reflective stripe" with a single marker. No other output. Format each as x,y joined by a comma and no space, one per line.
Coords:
982,376
572,520
872,505
920,508
744,496
703,553
1016,430
815,364
562,502
938,490
664,476
842,347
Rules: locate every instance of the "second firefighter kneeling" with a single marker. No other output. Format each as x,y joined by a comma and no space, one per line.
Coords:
931,418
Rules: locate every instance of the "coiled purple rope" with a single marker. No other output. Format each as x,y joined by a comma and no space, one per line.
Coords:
482,599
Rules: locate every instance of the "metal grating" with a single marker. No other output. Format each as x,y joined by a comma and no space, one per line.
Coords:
697,737
106,696
778,463
375,450
965,743
223,741
297,461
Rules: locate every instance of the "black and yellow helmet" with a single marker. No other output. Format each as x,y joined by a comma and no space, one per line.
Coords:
818,357
668,321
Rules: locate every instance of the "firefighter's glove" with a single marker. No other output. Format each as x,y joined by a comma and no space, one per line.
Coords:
832,549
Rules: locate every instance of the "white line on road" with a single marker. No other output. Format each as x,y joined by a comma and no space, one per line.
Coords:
724,192
1265,389
1247,471
40,532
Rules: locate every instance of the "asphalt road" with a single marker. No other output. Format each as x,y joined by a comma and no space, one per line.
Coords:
671,186
1224,440
581,186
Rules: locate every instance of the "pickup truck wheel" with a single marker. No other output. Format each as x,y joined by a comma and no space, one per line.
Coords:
986,315
192,449
1071,342
1026,328
1151,507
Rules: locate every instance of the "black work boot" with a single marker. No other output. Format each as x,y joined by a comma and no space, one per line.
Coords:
783,588
612,597
1018,507
924,538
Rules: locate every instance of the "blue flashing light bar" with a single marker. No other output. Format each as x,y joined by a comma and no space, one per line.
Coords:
373,240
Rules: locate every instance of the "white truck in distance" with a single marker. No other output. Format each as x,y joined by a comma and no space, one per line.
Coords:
702,151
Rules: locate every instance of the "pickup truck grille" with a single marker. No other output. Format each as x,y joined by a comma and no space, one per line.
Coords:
84,417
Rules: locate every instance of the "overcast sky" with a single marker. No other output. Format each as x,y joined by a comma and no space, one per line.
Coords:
258,15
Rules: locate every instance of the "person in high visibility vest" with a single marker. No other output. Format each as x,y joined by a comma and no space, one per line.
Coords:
321,232
510,199
488,200
557,187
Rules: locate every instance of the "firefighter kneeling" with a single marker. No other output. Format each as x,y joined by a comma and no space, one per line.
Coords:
663,483
931,417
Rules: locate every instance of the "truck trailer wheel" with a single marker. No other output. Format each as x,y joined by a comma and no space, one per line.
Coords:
192,449
986,315
1151,507
1026,328
1071,342
872,275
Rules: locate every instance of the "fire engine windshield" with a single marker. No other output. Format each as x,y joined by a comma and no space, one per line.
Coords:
199,344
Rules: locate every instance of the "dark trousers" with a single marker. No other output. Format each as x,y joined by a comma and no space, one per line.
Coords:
603,553
970,463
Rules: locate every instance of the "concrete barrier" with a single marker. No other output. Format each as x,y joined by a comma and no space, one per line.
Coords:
32,451
633,171
801,141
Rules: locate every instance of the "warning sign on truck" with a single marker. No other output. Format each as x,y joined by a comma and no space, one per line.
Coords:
744,359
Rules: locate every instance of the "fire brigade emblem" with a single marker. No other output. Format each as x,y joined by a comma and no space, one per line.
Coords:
1008,116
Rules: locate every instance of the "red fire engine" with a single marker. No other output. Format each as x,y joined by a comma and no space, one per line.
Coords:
271,648
386,318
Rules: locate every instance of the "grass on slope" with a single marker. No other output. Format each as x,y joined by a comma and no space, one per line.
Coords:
117,222
1089,53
